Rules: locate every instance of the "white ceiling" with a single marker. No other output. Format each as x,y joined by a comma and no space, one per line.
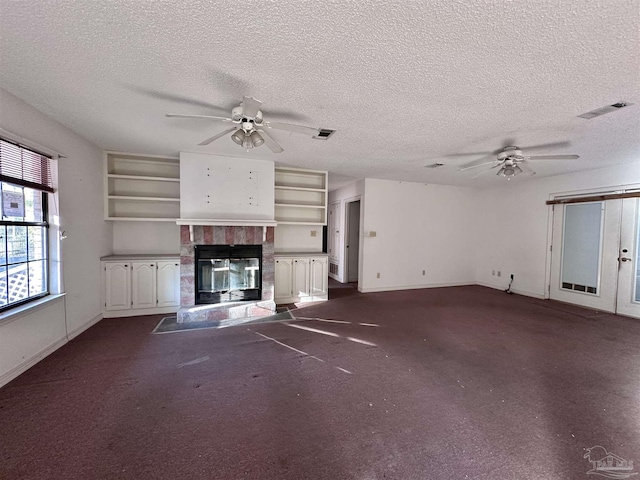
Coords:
404,83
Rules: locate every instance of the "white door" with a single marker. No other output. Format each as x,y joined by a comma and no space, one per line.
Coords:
353,240
334,230
594,261
168,284
283,279
628,260
319,276
301,278
117,283
143,285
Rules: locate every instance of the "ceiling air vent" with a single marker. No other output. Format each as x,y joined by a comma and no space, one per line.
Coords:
434,165
324,134
601,111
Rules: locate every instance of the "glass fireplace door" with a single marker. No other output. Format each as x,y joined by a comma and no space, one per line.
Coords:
228,273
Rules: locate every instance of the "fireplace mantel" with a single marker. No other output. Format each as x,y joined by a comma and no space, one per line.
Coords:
191,222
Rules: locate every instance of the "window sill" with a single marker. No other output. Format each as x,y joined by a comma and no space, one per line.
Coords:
26,309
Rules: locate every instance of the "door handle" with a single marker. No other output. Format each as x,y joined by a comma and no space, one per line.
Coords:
625,259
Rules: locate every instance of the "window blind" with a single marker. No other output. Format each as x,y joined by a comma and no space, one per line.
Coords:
24,167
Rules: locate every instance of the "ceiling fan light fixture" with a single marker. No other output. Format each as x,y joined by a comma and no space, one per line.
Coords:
256,139
238,137
247,143
509,171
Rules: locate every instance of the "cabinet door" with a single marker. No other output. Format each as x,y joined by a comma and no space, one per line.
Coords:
117,284
301,278
283,278
143,285
319,276
168,283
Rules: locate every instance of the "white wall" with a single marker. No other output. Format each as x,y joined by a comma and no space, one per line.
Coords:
89,237
418,227
146,237
512,230
216,187
298,238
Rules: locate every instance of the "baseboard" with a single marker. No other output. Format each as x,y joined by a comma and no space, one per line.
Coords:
514,290
23,367
73,334
140,311
413,287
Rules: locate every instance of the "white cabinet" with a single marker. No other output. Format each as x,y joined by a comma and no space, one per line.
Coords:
319,276
140,286
143,285
168,283
283,278
141,188
117,286
301,278
300,196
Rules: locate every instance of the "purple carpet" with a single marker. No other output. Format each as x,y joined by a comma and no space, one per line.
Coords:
449,383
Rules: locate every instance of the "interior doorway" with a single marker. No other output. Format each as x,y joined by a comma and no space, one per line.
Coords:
594,260
352,241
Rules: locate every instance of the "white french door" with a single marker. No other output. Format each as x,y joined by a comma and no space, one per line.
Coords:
594,261
629,256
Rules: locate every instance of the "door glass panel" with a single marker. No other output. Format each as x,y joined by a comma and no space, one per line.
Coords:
582,247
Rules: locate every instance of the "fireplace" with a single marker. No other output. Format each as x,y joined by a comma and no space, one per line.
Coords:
238,242
228,273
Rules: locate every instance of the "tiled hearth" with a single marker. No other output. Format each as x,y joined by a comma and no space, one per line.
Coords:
227,235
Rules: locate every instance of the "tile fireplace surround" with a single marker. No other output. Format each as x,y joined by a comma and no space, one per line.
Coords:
224,235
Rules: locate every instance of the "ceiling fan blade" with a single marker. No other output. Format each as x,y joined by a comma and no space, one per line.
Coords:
210,117
217,136
270,142
526,169
474,154
546,145
470,166
289,127
250,106
552,157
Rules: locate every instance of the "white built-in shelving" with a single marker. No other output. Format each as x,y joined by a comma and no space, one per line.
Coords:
300,196
141,187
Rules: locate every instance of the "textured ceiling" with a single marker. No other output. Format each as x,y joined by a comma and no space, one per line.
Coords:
404,83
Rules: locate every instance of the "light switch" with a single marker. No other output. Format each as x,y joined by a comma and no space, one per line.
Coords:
314,233
372,233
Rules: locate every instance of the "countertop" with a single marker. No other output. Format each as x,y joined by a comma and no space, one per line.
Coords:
301,254
140,256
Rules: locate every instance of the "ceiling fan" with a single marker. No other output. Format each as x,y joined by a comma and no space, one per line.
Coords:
510,161
250,126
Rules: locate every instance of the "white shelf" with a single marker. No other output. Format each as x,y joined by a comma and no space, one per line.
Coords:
301,189
300,196
141,188
143,199
141,177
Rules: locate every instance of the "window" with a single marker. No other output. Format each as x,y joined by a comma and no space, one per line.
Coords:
23,225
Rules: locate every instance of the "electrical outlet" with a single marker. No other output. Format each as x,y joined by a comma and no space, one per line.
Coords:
314,233
423,272
378,275
372,233
499,273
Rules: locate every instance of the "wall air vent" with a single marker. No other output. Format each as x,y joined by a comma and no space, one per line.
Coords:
324,134
601,111
434,165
